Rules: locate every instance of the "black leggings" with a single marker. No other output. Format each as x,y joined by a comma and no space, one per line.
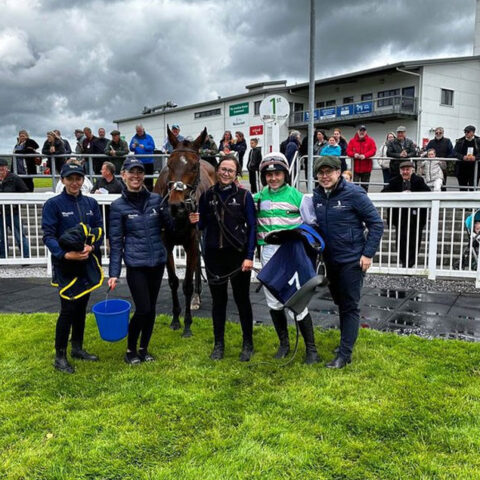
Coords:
72,315
144,284
222,262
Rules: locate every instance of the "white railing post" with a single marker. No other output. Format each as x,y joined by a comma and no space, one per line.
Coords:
433,239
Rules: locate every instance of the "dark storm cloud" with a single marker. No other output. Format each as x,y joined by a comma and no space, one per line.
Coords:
77,63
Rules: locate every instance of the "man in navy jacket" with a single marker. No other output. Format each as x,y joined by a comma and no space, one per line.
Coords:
342,210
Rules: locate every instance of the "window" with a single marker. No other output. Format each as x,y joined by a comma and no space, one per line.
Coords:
366,96
207,113
390,97
256,107
330,103
319,104
298,107
347,100
446,97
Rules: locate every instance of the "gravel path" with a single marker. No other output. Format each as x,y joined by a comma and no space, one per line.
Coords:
376,281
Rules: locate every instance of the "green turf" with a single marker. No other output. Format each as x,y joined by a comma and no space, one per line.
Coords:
42,182
406,408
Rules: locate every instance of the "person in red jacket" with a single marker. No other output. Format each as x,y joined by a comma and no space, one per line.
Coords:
361,148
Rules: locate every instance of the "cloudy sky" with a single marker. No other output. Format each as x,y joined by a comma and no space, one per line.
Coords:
68,63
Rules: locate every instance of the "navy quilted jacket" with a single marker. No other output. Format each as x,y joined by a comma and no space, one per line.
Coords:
342,218
135,231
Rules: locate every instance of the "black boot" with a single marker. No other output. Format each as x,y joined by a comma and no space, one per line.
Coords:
306,329
61,362
79,352
218,351
280,323
247,351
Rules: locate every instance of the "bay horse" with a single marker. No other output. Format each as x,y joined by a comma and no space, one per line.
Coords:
181,182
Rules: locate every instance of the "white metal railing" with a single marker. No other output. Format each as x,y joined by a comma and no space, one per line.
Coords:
445,247
300,163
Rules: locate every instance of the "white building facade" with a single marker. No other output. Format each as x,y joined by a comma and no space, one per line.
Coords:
420,95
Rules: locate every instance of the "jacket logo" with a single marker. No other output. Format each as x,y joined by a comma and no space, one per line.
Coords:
66,214
234,203
132,215
154,212
90,213
339,205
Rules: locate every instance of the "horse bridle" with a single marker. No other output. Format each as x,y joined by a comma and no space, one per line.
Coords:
191,189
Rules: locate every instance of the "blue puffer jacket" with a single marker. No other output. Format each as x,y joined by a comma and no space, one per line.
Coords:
65,211
342,218
135,231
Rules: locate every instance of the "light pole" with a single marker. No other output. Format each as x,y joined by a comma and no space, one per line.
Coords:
311,98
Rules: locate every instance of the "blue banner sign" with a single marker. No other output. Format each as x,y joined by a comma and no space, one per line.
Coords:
344,110
316,115
363,107
329,112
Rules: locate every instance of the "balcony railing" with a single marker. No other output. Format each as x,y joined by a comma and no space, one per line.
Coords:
398,105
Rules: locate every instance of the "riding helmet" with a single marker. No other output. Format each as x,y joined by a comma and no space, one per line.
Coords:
274,162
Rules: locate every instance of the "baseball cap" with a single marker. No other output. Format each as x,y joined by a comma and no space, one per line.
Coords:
132,162
70,169
326,161
407,163
361,127
401,128
176,126
115,132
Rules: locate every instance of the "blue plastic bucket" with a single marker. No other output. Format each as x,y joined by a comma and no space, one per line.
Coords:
112,318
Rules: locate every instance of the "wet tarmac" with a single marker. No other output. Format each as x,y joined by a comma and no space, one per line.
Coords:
428,314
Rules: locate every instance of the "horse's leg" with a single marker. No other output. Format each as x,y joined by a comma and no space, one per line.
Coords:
192,260
197,290
173,282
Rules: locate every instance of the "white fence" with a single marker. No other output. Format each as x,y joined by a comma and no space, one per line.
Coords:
445,247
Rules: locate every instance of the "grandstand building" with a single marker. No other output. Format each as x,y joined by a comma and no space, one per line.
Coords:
419,94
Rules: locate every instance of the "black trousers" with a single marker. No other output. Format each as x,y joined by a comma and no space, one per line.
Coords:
221,262
144,284
466,175
345,284
72,315
252,177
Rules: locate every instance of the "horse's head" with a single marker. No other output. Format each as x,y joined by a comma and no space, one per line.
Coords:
183,174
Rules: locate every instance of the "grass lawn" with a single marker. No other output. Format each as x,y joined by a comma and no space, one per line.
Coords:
42,182
407,408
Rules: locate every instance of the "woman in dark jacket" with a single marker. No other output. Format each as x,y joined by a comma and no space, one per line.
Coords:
136,221
61,214
227,218
54,146
26,165
225,144
239,146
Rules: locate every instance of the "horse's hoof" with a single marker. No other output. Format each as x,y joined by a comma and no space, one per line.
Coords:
196,302
187,333
175,325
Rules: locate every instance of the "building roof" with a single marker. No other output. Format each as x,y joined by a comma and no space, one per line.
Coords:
278,86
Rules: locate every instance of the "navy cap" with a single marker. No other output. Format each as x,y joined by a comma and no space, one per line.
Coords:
132,162
3,162
70,169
